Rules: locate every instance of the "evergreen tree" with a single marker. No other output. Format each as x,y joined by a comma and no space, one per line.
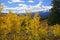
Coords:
55,13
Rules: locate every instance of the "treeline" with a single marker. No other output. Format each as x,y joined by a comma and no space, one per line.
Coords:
55,13
14,27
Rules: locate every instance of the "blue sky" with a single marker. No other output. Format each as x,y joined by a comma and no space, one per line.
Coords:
20,5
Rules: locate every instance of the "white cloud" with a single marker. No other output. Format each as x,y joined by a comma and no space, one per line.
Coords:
15,1
9,2
30,1
22,5
21,8
40,7
39,4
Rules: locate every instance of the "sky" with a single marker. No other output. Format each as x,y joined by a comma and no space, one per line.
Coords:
20,6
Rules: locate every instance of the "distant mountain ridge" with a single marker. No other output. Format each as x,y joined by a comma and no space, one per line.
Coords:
43,14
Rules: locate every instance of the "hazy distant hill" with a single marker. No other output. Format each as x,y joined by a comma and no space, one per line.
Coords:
42,14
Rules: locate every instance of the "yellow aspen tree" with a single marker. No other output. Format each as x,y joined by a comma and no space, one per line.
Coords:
16,23
1,8
37,19
9,22
34,25
1,16
35,22
25,25
21,18
27,20
56,30
46,26
0,24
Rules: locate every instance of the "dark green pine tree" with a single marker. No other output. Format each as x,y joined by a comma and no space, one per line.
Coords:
55,13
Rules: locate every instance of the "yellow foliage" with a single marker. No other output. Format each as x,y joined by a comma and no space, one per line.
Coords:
20,27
